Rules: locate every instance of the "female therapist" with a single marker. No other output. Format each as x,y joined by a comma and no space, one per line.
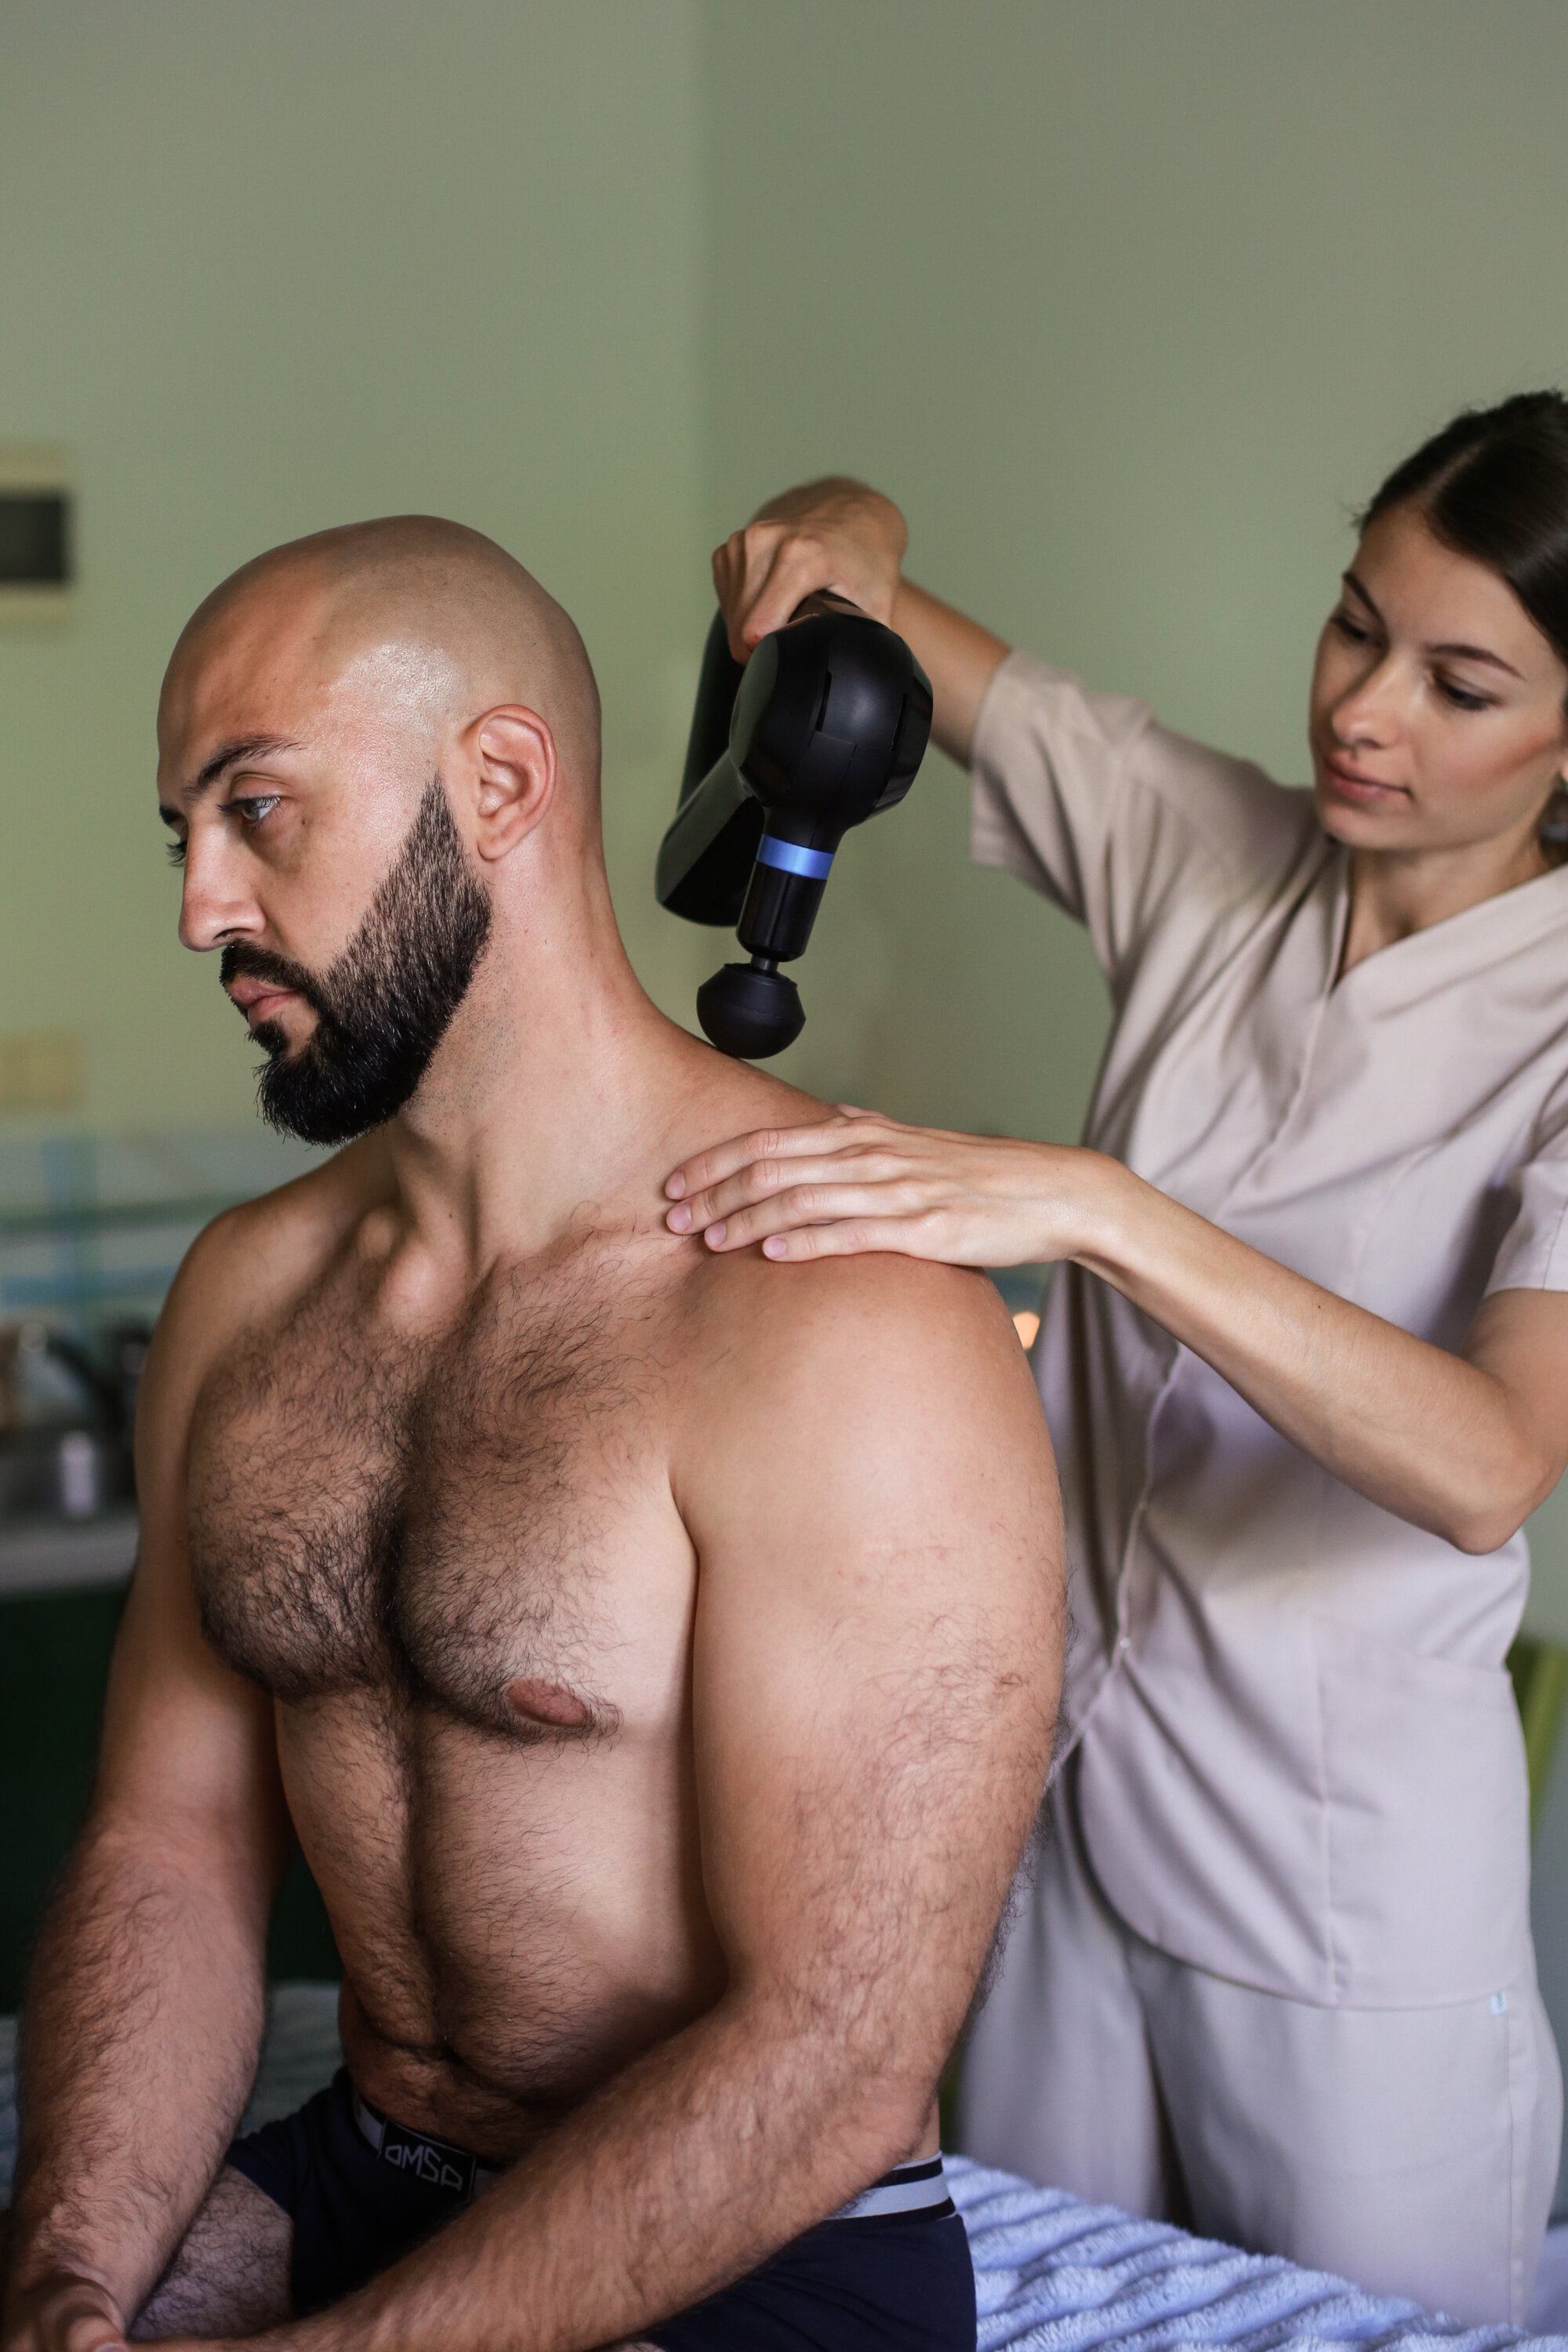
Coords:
1306,1366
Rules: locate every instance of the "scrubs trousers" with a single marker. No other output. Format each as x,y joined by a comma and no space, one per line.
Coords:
1412,2152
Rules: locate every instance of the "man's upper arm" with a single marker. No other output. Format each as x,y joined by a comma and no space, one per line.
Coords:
188,1747
877,1648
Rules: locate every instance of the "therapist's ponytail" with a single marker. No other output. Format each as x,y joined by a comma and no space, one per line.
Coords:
1493,485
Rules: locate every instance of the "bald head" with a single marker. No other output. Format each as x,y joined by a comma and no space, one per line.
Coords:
379,756
440,621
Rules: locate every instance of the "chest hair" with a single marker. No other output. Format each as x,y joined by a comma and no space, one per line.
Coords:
422,1516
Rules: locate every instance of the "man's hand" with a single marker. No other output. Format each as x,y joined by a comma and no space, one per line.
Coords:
145,2004
63,2313
835,533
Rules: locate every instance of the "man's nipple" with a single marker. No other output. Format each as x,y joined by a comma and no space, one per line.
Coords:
545,1702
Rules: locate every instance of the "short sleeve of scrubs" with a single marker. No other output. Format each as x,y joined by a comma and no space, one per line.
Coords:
1534,1252
1301,1762
1112,816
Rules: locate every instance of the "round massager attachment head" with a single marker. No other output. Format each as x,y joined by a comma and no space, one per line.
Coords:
748,1011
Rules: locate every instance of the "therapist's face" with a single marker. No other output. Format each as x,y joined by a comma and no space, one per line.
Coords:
1437,714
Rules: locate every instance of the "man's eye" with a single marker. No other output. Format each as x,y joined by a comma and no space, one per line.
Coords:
176,853
255,809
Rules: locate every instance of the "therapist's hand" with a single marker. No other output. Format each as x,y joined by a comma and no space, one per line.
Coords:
858,1181
835,533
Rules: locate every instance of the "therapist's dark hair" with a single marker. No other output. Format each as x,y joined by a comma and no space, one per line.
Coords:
1493,485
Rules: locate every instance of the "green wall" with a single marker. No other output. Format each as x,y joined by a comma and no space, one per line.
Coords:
265,268
1127,301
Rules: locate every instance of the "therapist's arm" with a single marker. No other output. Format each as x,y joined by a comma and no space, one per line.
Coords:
839,534
1465,1445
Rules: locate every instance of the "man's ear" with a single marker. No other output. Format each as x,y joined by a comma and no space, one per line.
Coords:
513,755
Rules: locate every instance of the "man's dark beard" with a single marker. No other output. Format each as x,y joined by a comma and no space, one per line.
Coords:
386,1002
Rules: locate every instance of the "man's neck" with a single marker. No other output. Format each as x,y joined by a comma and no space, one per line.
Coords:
544,1102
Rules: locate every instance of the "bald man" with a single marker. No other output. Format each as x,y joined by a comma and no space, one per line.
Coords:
640,1641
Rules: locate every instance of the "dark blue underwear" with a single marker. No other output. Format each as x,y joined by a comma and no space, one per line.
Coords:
893,2274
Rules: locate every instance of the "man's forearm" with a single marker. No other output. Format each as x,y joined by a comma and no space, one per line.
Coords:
688,2170
140,2030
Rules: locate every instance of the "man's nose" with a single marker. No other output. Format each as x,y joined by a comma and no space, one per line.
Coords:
214,907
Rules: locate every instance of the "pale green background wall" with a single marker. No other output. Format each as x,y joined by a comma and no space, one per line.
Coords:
267,265
1127,301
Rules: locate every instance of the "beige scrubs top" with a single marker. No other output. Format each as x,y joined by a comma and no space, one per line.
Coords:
1301,1764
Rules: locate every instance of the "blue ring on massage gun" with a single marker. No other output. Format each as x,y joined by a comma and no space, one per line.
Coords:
816,864
824,727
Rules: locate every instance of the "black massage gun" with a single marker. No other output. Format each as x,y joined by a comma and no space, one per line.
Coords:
824,727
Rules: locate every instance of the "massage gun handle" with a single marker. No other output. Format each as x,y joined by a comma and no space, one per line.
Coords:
718,682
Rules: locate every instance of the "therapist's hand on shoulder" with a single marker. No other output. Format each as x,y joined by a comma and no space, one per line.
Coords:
858,1181
833,533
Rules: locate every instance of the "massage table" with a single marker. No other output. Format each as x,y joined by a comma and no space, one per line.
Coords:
1052,2274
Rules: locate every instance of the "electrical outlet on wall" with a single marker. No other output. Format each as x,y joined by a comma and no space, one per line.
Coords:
38,557
40,1069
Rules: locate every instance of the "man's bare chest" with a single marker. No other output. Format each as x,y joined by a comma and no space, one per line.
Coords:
460,1522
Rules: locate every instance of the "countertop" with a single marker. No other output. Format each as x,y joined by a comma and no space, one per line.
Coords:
53,1555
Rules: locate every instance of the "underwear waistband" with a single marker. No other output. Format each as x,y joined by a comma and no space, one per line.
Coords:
909,2189
436,2162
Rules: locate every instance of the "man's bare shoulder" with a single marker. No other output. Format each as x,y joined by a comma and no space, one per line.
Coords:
250,1262
837,1323
720,1098
837,1327
848,1389
863,1437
